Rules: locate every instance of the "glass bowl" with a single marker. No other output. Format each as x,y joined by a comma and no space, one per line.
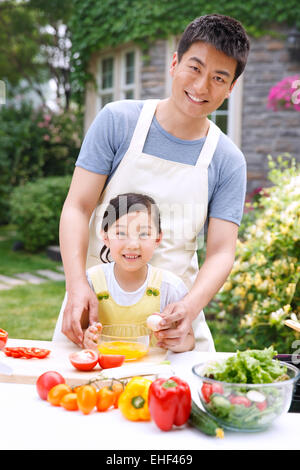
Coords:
246,407
132,341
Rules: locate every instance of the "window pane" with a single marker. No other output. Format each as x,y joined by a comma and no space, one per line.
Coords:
107,73
224,106
129,95
129,68
106,99
221,121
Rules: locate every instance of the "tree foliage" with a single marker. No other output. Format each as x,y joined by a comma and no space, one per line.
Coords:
35,45
108,23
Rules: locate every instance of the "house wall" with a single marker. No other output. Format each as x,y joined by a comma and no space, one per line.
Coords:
265,131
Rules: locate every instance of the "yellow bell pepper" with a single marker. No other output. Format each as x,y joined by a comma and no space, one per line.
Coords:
133,402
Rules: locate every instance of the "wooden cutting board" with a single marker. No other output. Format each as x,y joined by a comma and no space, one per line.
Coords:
26,371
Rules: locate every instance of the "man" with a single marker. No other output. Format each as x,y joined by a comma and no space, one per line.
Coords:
171,151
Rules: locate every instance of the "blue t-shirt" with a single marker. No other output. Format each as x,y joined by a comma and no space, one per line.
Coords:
109,136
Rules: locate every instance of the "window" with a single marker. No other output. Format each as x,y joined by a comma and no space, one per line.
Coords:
118,76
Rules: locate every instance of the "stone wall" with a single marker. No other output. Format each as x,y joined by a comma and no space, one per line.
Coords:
265,131
153,71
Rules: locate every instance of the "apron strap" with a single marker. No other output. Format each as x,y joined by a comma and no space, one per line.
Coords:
155,277
98,279
142,127
209,146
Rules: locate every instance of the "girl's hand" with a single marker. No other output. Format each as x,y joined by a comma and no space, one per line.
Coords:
91,336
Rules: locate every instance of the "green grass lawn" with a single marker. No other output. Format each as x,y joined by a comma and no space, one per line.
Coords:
28,311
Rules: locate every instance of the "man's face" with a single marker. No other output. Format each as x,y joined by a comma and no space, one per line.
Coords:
201,80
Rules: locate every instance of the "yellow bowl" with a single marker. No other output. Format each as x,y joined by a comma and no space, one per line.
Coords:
132,341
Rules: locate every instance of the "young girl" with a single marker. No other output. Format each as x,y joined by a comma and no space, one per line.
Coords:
129,289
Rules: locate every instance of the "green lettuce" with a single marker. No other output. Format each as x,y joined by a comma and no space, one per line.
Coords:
252,367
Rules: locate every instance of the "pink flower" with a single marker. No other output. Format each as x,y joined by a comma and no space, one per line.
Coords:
285,94
46,137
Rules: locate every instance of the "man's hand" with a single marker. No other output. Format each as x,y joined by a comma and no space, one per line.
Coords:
176,334
81,310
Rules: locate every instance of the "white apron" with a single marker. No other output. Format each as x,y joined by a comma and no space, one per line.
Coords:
181,193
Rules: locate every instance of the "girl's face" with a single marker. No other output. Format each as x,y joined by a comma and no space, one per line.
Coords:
132,240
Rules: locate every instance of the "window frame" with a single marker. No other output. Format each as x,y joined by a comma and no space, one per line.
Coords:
120,87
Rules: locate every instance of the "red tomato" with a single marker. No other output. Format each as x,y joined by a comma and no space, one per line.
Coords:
206,391
262,405
217,388
86,359
47,381
239,400
3,338
107,361
209,388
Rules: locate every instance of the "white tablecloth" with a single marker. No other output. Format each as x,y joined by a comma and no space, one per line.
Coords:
27,422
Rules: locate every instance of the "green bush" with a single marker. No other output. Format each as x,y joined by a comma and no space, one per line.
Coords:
36,209
33,144
263,288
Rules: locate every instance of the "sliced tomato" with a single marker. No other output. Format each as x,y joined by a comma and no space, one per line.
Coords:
86,359
108,361
26,353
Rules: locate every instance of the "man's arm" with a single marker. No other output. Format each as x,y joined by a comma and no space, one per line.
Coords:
84,193
220,254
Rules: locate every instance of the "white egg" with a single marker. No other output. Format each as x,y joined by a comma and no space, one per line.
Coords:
153,322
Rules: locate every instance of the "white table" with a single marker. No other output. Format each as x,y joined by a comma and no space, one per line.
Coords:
27,422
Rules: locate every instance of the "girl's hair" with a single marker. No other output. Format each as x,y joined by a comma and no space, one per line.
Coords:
124,204
226,34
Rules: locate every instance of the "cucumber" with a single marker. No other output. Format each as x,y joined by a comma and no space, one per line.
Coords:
202,421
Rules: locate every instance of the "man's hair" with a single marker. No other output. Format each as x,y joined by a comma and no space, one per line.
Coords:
226,34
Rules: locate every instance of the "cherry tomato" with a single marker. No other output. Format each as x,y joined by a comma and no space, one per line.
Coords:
239,400
117,388
217,388
57,392
47,381
86,398
108,361
262,405
69,402
206,391
3,338
105,398
85,359
208,388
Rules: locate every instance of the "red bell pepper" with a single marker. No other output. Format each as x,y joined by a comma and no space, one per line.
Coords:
169,402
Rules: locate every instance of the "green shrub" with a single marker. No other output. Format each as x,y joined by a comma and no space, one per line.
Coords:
36,209
33,144
263,287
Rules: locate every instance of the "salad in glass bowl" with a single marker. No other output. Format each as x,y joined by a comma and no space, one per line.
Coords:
247,391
